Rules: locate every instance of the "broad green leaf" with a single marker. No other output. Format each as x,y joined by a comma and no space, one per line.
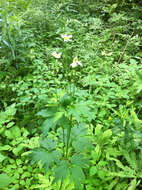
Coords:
80,160
10,124
8,134
58,116
4,180
96,154
77,176
133,61
18,149
47,125
107,134
16,132
5,147
79,130
81,110
2,157
82,144
49,112
11,110
48,143
93,170
61,171
101,174
98,130
46,158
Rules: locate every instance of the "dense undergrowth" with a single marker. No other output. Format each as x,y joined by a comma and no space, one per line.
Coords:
70,95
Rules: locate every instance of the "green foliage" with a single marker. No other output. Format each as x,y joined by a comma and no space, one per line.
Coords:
70,94
4,180
62,116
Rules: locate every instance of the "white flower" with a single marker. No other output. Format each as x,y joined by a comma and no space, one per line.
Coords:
56,55
106,54
67,38
75,63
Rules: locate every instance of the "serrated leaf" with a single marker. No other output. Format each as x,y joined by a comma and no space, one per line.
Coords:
82,144
80,160
77,176
48,143
58,116
61,171
43,113
49,112
47,125
79,130
79,110
46,158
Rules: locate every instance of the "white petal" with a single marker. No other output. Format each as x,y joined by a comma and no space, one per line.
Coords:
73,65
63,35
56,55
70,36
79,63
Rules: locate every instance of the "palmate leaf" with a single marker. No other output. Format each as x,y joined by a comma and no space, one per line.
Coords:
80,160
82,144
61,171
47,125
79,130
49,112
53,117
48,143
45,157
77,176
81,109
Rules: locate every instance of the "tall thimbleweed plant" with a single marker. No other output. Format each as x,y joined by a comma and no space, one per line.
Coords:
64,143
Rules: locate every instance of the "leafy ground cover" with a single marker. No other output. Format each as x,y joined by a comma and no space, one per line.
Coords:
70,95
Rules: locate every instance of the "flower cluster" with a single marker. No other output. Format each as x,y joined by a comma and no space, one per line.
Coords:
75,62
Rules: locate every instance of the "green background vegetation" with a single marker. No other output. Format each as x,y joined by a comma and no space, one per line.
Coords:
64,128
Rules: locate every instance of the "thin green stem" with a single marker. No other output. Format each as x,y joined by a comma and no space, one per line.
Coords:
61,184
68,137
63,142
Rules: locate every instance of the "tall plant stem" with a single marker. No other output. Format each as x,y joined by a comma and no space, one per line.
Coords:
63,142
61,185
120,58
68,137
